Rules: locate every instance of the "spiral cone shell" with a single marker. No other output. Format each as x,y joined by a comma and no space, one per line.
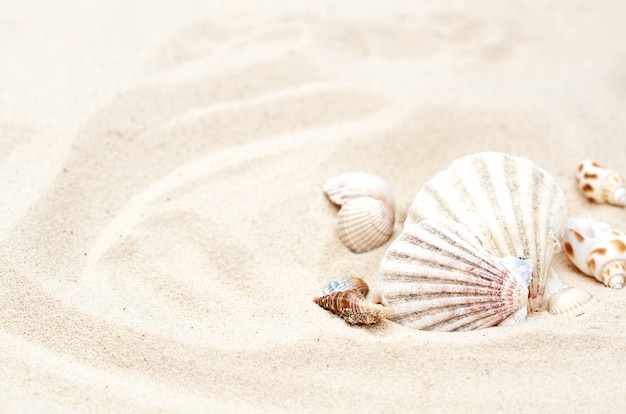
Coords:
597,250
365,223
514,206
439,276
600,184
345,297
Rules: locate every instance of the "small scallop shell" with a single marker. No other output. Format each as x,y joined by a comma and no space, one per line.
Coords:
600,184
513,205
570,301
365,223
439,276
348,186
597,250
344,297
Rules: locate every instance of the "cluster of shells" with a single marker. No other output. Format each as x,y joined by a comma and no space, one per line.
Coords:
477,246
365,221
595,248
367,210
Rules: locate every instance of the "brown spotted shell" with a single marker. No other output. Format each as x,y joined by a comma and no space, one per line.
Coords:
600,184
597,250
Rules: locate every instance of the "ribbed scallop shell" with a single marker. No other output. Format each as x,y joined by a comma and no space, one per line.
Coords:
600,184
514,206
345,297
570,301
345,187
365,223
597,250
439,276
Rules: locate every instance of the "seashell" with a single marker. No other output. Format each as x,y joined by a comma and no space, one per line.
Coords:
516,208
601,184
367,213
437,275
570,301
597,250
365,223
344,283
348,186
344,297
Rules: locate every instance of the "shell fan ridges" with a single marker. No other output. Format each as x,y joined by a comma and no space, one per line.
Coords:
367,209
514,206
439,276
364,223
571,301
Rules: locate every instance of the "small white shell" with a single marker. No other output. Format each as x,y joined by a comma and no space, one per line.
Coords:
570,301
597,250
514,206
439,276
365,223
348,186
600,184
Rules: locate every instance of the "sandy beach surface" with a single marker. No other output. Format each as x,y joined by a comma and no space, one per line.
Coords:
163,229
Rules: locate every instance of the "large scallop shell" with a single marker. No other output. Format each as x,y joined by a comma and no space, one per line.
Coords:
345,297
511,204
348,186
597,250
439,276
600,184
365,223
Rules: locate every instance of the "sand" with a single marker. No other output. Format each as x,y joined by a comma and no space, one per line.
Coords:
163,229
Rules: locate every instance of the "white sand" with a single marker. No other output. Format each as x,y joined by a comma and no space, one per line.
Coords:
162,224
